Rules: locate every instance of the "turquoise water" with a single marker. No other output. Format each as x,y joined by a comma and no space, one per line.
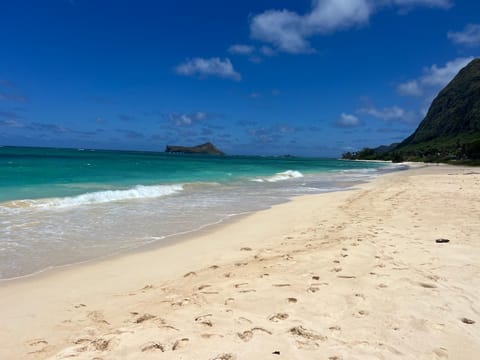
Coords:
64,206
32,173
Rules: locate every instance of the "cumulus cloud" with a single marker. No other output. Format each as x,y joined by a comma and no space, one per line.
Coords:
470,36
289,31
189,119
433,78
394,113
347,120
410,88
208,67
240,49
11,123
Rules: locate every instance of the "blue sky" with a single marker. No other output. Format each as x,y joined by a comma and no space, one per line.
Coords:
299,77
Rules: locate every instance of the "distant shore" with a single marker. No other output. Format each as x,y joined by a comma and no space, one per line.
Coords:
349,275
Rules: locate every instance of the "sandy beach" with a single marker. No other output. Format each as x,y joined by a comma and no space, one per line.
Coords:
346,275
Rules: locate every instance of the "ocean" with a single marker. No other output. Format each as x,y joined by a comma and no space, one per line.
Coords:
65,206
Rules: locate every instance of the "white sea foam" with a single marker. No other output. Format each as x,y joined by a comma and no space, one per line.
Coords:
286,175
99,197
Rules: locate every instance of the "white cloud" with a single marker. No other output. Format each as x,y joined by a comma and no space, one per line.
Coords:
347,120
470,36
433,79
11,123
394,113
284,29
289,32
239,49
332,15
188,119
208,67
410,88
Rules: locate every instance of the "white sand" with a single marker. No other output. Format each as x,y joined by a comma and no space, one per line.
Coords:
348,275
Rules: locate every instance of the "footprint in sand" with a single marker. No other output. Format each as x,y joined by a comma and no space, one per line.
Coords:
179,344
247,335
100,344
246,249
224,357
427,286
244,319
153,346
360,296
306,338
203,317
202,320
240,285
36,342
361,313
335,328
441,352
143,318
277,317
229,301
97,317
336,269
191,273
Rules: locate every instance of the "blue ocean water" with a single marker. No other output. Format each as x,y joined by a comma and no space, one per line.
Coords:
63,206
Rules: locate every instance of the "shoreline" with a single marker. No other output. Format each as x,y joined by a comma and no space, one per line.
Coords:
48,314
167,240
27,238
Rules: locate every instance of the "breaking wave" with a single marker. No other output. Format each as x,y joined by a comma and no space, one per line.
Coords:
99,197
286,175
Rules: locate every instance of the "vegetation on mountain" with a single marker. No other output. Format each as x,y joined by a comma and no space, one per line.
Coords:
450,132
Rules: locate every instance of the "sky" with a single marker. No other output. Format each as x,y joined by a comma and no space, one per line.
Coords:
264,77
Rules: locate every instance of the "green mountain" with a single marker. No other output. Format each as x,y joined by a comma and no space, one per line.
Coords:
451,129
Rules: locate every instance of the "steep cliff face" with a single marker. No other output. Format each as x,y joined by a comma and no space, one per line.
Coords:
207,148
455,111
451,130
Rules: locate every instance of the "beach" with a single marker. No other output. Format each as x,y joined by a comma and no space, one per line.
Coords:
352,274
